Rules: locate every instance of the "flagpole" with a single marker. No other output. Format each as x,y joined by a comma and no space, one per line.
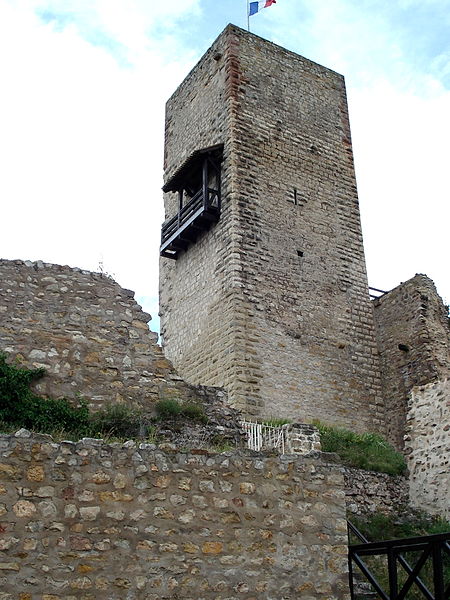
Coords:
248,16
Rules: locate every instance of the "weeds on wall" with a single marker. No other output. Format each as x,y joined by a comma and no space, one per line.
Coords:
20,407
368,451
120,421
276,422
171,409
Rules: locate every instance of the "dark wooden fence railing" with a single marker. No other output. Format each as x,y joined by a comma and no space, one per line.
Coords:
397,578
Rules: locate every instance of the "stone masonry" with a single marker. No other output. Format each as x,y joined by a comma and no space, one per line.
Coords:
92,521
427,447
89,334
272,303
413,336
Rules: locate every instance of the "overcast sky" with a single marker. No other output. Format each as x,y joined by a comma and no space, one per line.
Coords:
83,87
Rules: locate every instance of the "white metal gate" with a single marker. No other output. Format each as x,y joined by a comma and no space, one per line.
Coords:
265,437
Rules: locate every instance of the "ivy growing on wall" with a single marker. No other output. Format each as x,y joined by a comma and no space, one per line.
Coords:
21,407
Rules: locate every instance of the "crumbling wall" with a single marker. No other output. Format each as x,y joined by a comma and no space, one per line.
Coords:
369,492
88,333
90,520
412,329
427,447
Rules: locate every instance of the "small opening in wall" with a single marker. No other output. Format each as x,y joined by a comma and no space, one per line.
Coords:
300,253
403,347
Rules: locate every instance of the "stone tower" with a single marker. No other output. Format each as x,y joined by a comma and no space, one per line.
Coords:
263,284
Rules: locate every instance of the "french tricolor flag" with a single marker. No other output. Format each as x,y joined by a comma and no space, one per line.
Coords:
255,7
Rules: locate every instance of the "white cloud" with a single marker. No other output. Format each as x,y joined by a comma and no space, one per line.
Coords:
400,144
399,105
81,128
81,144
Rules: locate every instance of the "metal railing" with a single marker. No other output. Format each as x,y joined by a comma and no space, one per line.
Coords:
397,578
376,293
265,437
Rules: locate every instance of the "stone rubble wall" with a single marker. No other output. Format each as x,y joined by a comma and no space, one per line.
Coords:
302,439
89,520
89,334
413,337
427,447
369,492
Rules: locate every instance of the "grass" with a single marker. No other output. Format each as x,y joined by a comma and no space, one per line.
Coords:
368,451
274,422
379,526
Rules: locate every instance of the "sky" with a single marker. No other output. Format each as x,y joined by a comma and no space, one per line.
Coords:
83,84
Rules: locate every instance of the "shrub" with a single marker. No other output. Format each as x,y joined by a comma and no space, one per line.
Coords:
121,421
20,407
405,524
408,523
194,412
168,409
172,409
367,451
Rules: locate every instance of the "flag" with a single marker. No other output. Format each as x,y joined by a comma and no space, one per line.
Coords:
254,7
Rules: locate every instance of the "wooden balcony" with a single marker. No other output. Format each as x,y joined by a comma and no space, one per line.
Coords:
194,217
197,182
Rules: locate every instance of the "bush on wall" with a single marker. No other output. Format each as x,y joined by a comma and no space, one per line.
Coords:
21,407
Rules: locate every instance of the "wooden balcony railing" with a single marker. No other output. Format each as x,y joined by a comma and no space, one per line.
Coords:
194,217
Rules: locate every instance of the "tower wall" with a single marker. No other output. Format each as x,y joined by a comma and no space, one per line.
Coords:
198,291
272,302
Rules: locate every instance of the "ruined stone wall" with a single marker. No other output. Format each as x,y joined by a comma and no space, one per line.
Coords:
427,447
413,338
369,492
87,332
272,303
90,521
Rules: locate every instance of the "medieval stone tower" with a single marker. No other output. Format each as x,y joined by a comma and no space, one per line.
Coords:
263,279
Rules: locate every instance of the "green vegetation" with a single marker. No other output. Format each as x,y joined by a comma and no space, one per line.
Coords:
120,421
379,526
20,407
172,409
367,451
274,422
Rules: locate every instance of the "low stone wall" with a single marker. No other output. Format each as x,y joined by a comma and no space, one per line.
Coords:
368,492
89,520
427,447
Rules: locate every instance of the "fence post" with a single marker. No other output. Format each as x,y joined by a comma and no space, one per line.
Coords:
438,571
392,569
